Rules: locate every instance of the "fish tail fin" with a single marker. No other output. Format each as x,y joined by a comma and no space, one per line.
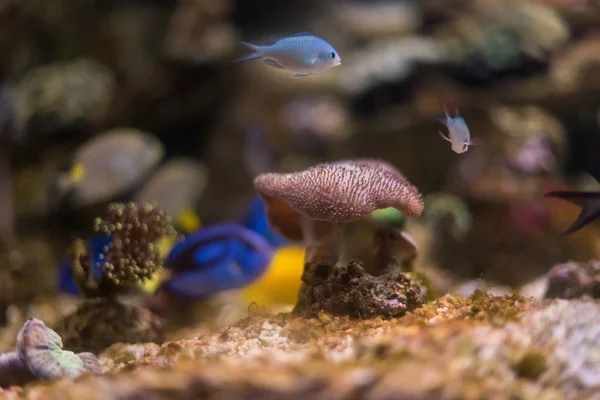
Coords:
256,52
446,113
589,203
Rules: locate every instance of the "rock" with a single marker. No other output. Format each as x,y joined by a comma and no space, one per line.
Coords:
573,280
98,323
349,290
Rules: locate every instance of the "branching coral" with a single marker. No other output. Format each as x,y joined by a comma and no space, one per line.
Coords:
132,256
124,256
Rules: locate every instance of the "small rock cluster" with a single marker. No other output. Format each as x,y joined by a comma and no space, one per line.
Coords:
349,290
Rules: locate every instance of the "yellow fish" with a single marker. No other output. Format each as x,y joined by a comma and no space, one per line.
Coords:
281,283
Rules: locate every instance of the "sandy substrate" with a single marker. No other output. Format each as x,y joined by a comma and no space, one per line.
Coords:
484,347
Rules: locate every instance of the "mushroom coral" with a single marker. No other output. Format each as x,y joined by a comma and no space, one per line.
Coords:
310,205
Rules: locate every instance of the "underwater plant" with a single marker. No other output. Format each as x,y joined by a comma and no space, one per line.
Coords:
39,355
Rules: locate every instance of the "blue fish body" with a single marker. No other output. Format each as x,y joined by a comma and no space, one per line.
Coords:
217,258
255,219
96,246
303,53
458,132
66,283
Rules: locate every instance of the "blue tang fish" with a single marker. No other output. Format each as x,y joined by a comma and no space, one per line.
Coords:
96,245
460,137
302,53
255,219
216,258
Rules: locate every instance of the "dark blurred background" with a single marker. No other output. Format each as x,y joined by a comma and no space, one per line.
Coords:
140,100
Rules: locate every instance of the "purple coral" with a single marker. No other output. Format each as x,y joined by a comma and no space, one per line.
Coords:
39,354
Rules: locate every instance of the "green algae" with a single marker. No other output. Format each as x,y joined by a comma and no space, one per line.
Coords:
532,365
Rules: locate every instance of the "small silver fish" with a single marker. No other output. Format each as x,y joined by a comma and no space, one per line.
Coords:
460,137
302,53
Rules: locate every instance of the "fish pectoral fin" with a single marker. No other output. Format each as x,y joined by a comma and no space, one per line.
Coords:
446,113
299,75
444,137
273,63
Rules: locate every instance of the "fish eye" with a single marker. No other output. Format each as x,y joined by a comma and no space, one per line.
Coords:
332,55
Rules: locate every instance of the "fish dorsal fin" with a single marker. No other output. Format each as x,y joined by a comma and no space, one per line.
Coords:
588,201
446,113
299,34
296,34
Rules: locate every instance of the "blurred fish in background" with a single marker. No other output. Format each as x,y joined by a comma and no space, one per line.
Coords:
110,164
